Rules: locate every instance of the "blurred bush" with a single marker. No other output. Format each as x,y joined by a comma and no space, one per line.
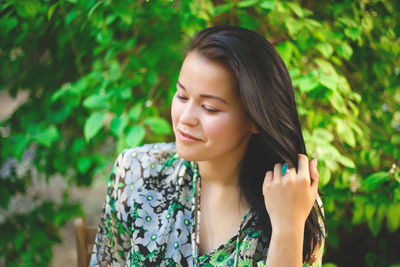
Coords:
101,74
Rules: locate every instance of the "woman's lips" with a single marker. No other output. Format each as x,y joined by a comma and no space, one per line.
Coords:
187,137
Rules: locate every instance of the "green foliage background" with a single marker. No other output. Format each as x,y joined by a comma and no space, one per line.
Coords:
101,74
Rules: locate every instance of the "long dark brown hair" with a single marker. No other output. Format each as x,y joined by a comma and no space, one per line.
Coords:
267,95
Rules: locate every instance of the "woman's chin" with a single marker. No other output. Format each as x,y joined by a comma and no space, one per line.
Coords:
186,155
189,153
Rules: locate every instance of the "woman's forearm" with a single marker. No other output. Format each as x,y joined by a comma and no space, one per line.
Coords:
286,248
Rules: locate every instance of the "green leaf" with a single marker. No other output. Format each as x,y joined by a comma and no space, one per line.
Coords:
345,161
247,3
285,50
223,8
324,176
353,33
358,212
345,132
345,51
135,135
11,23
96,101
118,124
396,194
337,102
135,111
382,210
78,145
329,82
19,240
115,71
28,8
84,164
375,180
152,77
94,124
93,8
370,213
293,26
70,17
395,139
393,217
47,136
322,134
306,83
326,67
268,4
125,93
158,125
59,93
326,49
51,11
296,8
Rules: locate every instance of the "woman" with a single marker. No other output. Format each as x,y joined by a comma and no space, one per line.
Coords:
235,121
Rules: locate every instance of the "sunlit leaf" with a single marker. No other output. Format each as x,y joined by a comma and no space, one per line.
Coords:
135,135
96,101
47,136
326,49
268,4
375,180
353,32
84,164
337,102
296,8
324,175
345,161
393,217
94,124
345,132
135,111
345,51
118,124
158,125
247,3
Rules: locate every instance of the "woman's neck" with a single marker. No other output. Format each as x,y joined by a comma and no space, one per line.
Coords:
223,171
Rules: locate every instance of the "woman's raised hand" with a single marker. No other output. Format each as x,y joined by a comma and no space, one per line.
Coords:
290,197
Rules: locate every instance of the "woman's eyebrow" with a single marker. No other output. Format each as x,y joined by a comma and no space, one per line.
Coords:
205,95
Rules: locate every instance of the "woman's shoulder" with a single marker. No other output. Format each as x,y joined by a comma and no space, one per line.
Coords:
143,164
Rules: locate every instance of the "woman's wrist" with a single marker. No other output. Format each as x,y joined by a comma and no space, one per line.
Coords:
286,246
290,228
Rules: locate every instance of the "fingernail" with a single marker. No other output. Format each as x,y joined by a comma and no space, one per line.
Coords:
316,162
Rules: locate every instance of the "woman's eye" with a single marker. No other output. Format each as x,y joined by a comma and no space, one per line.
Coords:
181,97
210,110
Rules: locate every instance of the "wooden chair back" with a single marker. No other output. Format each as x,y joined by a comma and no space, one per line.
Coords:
85,237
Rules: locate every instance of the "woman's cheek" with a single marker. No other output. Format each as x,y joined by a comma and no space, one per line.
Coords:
216,128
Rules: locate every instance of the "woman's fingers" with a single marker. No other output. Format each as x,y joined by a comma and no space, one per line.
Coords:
277,172
314,175
313,170
303,170
306,170
268,178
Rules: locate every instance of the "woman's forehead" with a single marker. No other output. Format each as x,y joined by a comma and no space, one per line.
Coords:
201,75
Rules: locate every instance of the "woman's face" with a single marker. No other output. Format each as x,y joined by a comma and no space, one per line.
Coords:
208,117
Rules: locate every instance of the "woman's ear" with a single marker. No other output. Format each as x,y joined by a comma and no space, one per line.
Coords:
253,129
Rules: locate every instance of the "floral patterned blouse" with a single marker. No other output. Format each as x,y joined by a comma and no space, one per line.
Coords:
148,216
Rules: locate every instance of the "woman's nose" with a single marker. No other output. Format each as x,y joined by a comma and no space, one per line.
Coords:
189,115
